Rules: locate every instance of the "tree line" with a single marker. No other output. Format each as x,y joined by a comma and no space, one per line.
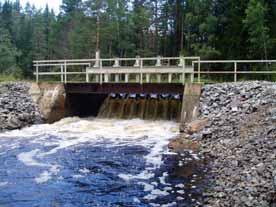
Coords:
212,29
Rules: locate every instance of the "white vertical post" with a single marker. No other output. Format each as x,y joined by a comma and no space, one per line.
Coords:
141,73
117,78
137,78
147,77
184,70
158,62
87,76
65,71
97,62
61,72
170,78
159,78
101,75
97,77
199,68
36,72
137,62
192,74
180,62
126,78
235,72
106,78
116,63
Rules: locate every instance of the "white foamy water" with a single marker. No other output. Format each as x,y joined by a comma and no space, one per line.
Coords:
70,132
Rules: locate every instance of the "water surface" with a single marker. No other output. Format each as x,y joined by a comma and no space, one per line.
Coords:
95,162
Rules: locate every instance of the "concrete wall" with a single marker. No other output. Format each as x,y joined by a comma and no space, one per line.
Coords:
190,104
51,99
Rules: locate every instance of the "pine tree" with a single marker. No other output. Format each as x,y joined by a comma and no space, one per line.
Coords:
8,53
255,24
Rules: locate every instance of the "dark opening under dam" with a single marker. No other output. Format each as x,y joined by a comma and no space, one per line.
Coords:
125,101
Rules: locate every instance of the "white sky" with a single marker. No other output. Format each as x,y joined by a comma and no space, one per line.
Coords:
53,4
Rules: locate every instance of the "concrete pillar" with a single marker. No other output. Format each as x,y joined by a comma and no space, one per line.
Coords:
117,78
126,78
190,104
147,78
169,77
158,62
106,78
159,78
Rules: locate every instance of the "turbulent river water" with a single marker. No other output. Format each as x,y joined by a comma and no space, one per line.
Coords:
95,162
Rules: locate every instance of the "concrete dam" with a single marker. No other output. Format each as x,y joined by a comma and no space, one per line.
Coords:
122,101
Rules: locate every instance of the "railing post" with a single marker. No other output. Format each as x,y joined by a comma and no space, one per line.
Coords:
36,72
116,63
184,71
137,62
61,72
158,61
87,76
141,73
199,68
235,72
126,78
65,72
170,78
101,74
193,72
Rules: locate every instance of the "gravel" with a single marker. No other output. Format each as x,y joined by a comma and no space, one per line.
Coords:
17,110
240,140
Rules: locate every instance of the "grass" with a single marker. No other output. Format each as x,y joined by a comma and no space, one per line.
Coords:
11,78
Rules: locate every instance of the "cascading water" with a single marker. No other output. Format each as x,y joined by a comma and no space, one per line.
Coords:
152,107
97,162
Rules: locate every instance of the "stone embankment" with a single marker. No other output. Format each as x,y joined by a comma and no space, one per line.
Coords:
237,131
17,108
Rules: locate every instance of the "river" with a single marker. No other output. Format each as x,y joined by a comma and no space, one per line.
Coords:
95,162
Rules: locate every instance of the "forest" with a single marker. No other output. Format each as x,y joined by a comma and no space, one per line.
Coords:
212,29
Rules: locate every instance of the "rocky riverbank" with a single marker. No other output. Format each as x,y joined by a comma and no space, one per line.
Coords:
237,131
17,108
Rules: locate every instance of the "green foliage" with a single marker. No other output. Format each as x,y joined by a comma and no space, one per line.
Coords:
8,53
212,29
255,24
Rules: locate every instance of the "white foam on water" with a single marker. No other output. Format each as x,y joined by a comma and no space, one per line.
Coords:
147,187
74,131
78,176
84,171
28,158
43,177
3,184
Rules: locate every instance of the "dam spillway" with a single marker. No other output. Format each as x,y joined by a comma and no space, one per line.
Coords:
142,106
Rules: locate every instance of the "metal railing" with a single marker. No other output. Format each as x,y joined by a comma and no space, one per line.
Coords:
126,66
141,67
235,68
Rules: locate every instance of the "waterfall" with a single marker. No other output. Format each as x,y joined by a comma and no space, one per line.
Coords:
148,107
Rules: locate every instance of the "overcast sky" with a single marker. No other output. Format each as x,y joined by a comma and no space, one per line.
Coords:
53,4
